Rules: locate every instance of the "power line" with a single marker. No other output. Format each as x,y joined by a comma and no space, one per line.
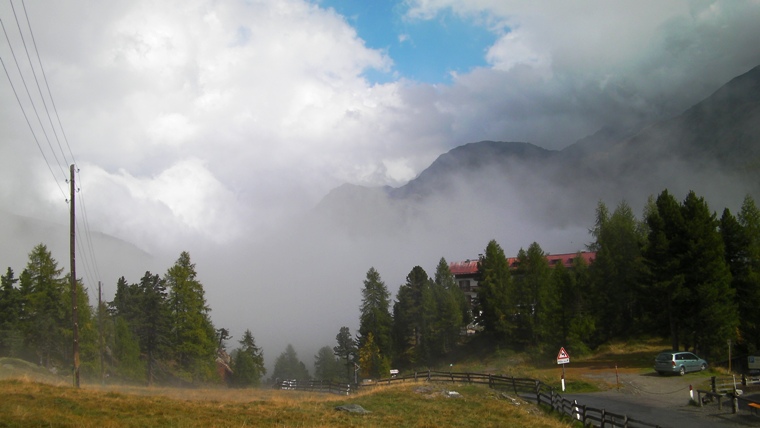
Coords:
85,245
42,152
28,94
34,73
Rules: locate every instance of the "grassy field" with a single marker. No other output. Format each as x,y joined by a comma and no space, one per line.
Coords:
28,403
32,396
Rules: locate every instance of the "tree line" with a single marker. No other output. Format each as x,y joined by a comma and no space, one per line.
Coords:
158,329
678,272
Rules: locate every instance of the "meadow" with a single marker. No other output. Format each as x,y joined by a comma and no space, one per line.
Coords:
34,397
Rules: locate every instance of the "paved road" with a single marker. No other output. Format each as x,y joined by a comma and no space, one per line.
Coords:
661,400
662,413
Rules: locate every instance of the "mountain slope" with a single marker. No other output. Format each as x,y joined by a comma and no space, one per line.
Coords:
712,148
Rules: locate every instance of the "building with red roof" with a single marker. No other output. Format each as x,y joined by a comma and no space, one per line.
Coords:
466,272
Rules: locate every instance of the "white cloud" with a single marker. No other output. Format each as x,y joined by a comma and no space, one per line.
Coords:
510,50
201,124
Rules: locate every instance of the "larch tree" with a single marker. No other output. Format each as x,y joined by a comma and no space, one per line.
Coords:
44,297
371,362
192,335
248,363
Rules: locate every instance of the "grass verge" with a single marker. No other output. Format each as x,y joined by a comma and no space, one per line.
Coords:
27,403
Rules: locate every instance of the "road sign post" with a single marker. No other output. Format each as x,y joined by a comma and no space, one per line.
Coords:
563,358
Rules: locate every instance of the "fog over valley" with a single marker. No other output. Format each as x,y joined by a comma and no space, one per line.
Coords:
288,150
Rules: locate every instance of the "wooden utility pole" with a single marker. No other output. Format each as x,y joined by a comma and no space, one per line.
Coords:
75,316
100,334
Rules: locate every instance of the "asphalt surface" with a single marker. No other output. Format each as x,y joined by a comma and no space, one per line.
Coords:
665,414
664,401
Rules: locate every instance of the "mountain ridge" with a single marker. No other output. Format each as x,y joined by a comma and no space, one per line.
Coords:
711,148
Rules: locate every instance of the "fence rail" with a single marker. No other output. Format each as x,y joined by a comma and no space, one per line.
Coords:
315,386
526,388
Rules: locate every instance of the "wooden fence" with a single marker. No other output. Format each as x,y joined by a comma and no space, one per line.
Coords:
315,386
530,389
730,388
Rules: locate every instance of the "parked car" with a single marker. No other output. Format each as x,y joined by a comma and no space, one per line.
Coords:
678,362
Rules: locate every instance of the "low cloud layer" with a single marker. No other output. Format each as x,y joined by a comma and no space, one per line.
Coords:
213,127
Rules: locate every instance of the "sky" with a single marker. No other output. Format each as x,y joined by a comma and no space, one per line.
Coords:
211,126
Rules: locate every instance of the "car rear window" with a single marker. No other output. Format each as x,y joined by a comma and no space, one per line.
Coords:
665,357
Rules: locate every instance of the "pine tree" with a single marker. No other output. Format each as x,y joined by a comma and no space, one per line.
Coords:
453,311
327,366
152,325
375,316
346,350
687,266
662,259
617,271
497,310
412,314
713,311
748,286
288,367
10,305
126,352
531,281
248,363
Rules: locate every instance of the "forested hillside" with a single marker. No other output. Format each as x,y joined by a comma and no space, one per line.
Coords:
678,271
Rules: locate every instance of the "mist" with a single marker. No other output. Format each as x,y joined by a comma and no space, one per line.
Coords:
249,133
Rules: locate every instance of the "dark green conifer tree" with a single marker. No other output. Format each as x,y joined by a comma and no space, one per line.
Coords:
496,309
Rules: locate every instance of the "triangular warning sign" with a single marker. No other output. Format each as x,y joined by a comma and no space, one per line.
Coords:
562,357
562,354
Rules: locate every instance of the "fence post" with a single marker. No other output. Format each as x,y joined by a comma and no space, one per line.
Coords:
538,392
551,398
428,376
625,421
514,384
604,416
490,381
734,403
712,384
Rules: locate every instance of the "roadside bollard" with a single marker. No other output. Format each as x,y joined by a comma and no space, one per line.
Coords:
691,393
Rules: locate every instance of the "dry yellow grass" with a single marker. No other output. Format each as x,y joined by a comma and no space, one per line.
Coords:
27,403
